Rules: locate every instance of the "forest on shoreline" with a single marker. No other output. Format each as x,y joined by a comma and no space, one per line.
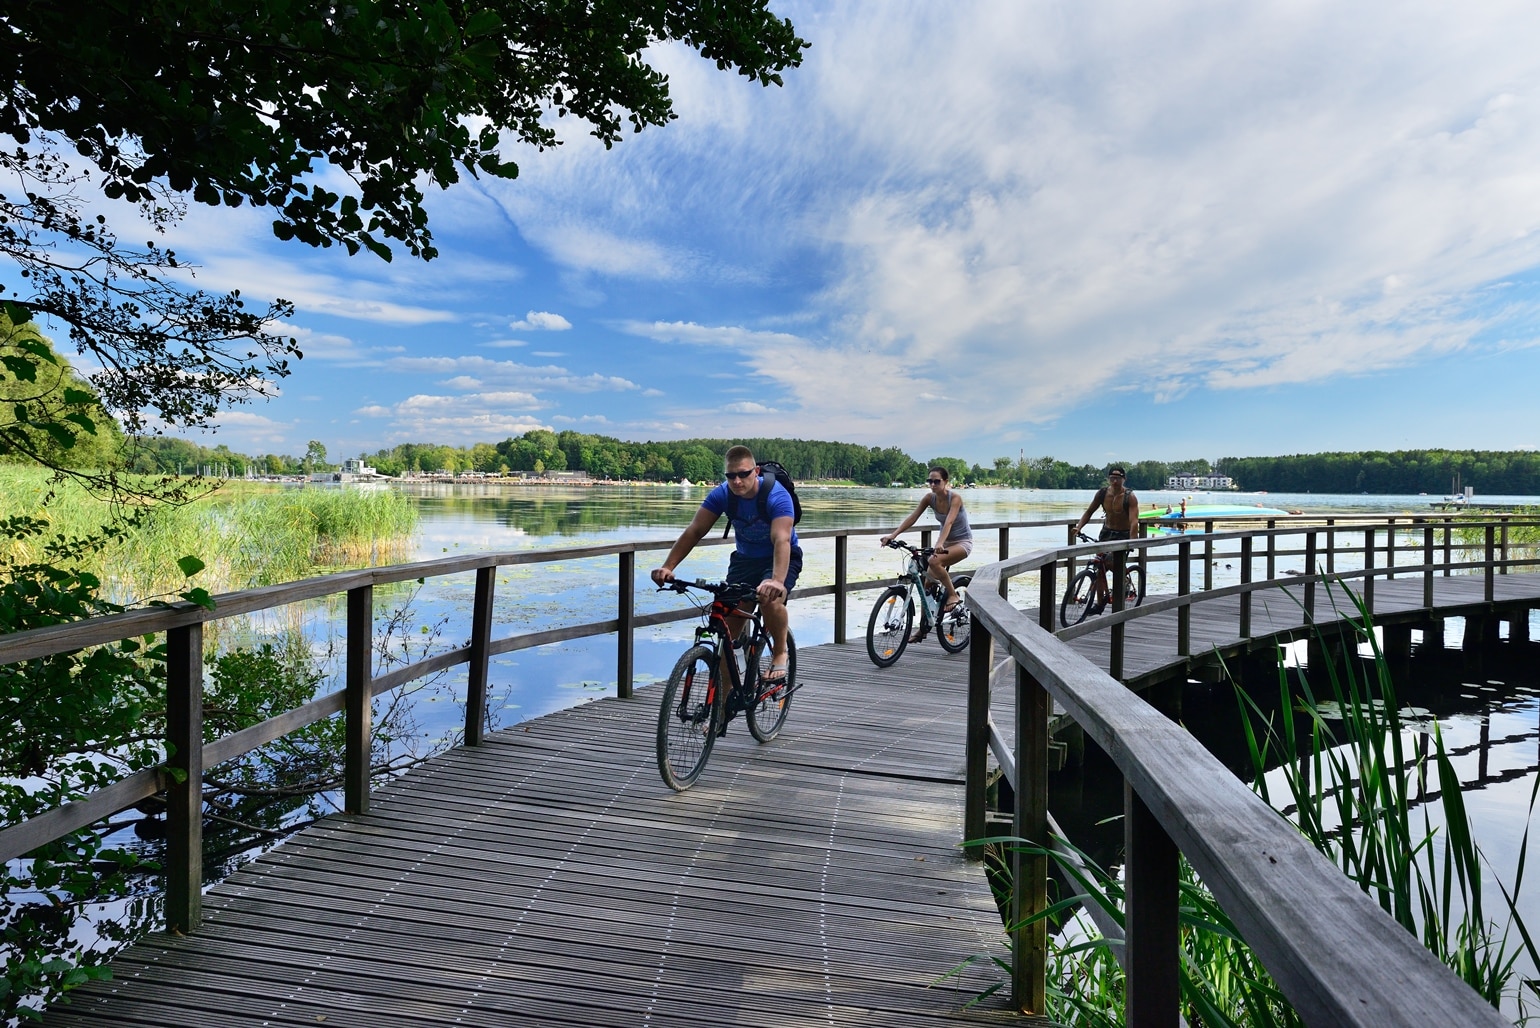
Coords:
1435,471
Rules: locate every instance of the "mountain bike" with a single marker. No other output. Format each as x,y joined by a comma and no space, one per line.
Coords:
1081,599
697,707
889,629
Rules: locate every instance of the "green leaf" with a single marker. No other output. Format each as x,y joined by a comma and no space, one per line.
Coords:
190,565
199,596
16,313
21,367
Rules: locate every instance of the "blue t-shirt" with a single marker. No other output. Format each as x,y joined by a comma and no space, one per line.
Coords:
751,533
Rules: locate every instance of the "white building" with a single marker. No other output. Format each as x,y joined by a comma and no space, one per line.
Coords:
1209,483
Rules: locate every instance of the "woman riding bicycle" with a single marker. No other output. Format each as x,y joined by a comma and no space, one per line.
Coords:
955,541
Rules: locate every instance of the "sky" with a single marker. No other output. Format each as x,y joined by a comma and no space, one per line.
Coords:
1111,231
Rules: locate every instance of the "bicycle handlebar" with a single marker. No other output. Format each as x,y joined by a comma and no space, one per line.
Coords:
733,591
922,553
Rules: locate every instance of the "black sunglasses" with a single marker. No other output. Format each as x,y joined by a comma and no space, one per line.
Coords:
733,476
933,481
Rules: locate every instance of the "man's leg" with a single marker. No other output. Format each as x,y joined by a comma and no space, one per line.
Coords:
776,621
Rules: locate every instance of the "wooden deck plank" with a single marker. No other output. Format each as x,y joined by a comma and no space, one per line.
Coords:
549,877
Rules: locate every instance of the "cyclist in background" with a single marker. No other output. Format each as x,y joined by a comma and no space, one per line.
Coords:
1120,516
953,543
766,551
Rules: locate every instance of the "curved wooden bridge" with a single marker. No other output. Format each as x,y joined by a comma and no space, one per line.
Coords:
543,875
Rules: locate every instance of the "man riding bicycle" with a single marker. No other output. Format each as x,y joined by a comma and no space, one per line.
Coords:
766,551
1120,518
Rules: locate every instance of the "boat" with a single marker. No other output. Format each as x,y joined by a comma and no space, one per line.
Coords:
1173,518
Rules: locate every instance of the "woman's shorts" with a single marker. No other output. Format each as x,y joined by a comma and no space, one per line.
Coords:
965,545
743,570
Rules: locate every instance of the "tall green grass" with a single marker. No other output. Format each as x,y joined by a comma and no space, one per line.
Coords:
1350,789
246,534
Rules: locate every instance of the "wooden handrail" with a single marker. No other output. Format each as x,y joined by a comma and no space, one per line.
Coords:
1334,952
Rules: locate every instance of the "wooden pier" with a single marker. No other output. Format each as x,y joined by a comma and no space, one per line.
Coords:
548,877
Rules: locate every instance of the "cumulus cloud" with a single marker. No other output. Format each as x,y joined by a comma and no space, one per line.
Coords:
541,321
461,418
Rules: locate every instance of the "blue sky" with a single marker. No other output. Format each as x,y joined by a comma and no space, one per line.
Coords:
1115,230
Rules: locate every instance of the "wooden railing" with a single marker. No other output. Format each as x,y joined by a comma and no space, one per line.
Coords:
180,777
1335,954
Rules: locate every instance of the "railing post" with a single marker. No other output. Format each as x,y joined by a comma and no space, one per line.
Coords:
924,538
1184,588
1448,548
625,631
1119,595
184,799
1368,590
1047,594
1246,580
481,639
1504,545
1208,556
1491,568
358,730
1029,872
1390,547
1272,549
981,659
1331,546
1310,578
1005,541
841,581
1427,570
1152,942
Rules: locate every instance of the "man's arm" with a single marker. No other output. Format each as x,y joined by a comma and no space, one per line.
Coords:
694,532
780,539
1088,511
1133,516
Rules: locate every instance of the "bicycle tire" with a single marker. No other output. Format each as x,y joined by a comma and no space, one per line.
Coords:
1078,598
887,630
954,627
767,714
688,717
1133,586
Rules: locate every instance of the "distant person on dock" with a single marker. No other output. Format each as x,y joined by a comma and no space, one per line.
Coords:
766,554
1120,516
955,540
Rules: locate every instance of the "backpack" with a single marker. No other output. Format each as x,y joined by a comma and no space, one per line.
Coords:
775,471
1101,495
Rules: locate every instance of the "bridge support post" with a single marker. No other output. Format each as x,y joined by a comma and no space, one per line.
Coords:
1184,588
1153,940
184,799
1029,872
1397,643
481,640
1480,632
981,659
358,731
1432,636
1427,566
1518,627
1245,628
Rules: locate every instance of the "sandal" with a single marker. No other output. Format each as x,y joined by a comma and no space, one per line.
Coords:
777,673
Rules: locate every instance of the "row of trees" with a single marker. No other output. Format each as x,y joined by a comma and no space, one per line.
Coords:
1499,472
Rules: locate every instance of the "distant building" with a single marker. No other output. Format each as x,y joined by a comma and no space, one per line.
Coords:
1210,483
352,471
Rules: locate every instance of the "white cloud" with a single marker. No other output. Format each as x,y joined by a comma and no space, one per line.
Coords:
541,321
509,373
504,344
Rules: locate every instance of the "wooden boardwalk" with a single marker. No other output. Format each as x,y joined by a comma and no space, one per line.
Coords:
1150,651
548,877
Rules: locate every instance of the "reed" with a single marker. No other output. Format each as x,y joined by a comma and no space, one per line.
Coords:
246,534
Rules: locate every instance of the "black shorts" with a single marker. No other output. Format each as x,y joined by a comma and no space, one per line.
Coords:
1112,533
742,570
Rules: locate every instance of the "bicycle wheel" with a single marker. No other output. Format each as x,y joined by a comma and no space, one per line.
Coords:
772,700
954,626
1134,581
687,719
1078,598
887,632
